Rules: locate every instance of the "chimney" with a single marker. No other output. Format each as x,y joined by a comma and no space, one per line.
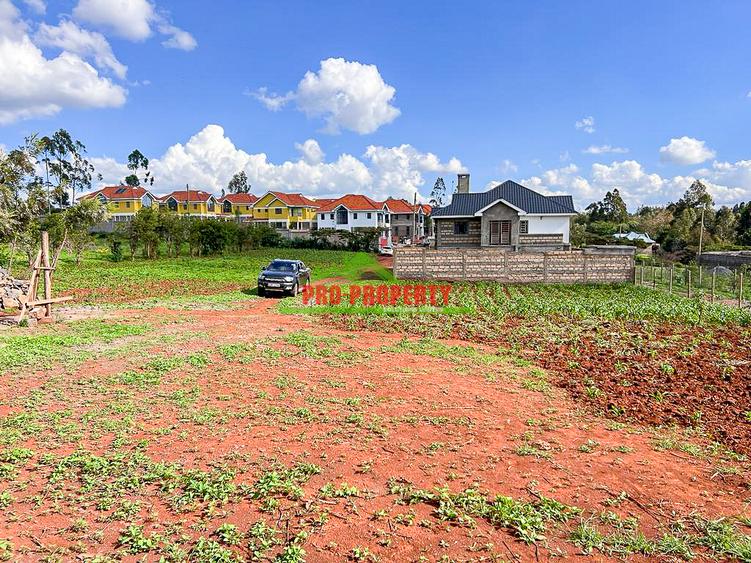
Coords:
462,186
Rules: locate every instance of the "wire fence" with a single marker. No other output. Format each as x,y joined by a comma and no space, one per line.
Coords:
713,283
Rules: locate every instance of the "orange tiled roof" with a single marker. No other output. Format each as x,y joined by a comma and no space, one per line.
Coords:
354,202
238,198
294,200
118,192
399,205
182,195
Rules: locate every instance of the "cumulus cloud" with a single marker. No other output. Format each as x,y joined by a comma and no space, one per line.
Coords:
604,149
33,86
586,124
37,6
134,20
686,150
311,151
271,100
508,166
209,159
728,183
345,94
88,44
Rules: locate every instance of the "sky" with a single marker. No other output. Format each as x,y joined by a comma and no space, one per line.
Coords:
382,97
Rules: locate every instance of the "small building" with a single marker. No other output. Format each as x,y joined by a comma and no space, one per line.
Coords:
354,211
193,203
122,203
408,221
237,206
292,214
509,215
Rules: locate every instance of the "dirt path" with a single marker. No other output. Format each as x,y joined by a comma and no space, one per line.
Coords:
368,409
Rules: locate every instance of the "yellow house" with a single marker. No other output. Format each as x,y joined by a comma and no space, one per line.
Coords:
237,206
293,212
123,202
194,203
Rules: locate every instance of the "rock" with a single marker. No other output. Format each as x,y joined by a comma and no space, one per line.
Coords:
723,271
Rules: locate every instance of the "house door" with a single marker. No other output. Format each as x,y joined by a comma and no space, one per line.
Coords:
500,233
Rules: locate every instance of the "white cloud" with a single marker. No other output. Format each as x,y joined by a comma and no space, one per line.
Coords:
346,94
271,100
37,6
686,150
89,44
728,183
177,38
311,151
34,86
209,159
508,167
134,20
604,149
586,124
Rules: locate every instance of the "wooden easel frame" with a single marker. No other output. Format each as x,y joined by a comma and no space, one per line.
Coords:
41,267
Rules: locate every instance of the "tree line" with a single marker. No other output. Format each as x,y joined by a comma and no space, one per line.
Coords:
679,227
156,231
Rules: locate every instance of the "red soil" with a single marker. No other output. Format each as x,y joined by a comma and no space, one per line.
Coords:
447,421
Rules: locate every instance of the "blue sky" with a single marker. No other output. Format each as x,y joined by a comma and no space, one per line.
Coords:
497,86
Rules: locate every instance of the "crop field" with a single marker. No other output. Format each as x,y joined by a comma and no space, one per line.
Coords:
173,415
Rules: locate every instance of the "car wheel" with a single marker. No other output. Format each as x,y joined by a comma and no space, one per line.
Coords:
293,292
261,292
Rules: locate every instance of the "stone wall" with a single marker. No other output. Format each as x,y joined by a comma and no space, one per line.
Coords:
477,264
445,236
11,290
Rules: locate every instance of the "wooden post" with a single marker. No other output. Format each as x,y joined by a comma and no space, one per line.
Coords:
688,285
641,275
670,286
740,291
714,279
700,269
47,273
654,276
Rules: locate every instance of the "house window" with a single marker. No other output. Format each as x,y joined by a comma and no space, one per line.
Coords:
247,208
370,215
185,205
407,230
278,210
354,215
461,227
342,216
116,204
227,206
332,216
127,204
211,205
195,206
172,205
523,227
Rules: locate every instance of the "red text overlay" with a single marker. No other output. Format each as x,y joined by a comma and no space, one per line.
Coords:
368,295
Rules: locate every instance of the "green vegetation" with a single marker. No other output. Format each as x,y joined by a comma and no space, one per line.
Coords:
99,280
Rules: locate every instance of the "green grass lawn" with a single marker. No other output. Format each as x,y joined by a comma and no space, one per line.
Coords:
99,280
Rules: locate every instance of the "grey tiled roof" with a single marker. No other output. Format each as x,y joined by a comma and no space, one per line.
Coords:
517,195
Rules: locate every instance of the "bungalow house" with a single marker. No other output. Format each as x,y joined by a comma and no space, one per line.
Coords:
408,220
509,215
122,203
352,212
293,213
193,203
237,206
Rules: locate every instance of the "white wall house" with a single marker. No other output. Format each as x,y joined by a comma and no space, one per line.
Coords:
509,215
352,212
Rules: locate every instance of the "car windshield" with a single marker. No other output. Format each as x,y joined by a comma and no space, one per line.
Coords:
282,266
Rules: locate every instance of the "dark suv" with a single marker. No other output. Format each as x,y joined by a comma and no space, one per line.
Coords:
286,276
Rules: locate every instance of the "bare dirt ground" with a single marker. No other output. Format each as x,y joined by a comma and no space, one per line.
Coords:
217,419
